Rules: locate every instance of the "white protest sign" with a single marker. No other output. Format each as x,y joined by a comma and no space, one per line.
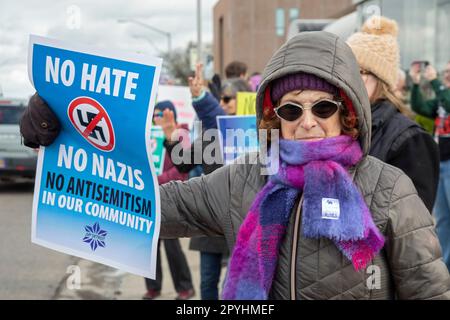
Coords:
182,100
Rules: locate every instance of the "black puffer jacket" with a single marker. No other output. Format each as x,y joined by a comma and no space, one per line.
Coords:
402,143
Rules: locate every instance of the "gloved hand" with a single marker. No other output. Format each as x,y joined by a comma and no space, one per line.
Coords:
39,126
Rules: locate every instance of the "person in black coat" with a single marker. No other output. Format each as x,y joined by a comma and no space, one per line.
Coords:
396,139
402,143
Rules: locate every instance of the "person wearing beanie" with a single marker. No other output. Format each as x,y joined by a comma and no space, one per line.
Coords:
164,105
287,237
396,139
179,267
328,212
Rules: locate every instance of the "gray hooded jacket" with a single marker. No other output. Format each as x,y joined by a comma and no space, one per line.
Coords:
408,267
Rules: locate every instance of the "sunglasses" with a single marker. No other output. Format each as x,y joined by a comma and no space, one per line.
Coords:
158,114
227,99
323,109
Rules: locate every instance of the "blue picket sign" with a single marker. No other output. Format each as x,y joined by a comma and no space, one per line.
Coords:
96,193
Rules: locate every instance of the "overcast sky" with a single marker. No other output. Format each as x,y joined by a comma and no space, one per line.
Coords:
96,24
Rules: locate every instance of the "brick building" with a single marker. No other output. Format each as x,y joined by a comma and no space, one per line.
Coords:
252,30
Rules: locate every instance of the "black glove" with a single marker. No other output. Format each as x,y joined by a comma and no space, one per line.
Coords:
39,126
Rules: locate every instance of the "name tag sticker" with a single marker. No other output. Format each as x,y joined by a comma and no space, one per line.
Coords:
330,208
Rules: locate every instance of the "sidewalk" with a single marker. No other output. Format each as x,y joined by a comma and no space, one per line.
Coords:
101,282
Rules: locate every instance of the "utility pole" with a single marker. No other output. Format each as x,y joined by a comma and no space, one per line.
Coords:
199,31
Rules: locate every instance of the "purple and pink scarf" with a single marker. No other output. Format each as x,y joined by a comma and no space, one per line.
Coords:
333,208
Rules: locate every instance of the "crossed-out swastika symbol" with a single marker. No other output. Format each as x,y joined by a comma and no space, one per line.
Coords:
91,120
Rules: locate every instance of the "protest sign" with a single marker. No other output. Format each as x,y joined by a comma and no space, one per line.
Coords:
181,99
246,103
157,147
238,135
96,193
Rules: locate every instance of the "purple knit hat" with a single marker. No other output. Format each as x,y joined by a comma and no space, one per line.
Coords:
300,81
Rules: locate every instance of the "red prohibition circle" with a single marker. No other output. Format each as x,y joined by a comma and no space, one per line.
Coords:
102,114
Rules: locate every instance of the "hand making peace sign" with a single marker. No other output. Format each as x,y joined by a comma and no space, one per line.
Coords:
196,83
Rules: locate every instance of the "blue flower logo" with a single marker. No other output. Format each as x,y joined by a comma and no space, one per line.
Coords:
95,236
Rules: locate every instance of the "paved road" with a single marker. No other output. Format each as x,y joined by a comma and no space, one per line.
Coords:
27,271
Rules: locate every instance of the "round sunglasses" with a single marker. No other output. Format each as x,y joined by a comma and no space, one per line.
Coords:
323,109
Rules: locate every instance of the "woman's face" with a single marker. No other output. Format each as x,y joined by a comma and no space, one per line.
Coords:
309,127
228,104
370,82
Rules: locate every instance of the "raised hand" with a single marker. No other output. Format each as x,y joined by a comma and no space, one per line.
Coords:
167,123
414,73
196,83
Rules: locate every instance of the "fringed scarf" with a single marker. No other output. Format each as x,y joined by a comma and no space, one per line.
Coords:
332,208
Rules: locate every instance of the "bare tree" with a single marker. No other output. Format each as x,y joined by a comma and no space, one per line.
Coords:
178,64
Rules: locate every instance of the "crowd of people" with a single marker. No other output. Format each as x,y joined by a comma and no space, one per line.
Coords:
359,183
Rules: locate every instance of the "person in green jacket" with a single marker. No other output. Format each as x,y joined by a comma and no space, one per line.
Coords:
439,109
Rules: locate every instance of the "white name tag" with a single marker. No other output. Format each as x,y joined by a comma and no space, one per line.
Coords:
330,209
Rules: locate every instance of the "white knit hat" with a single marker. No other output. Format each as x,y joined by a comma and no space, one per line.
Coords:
376,48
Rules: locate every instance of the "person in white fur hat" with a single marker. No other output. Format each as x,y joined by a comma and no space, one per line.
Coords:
396,139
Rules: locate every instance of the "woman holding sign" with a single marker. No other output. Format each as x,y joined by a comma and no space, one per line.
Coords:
331,222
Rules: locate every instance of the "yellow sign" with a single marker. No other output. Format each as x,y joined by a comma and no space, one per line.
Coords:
246,103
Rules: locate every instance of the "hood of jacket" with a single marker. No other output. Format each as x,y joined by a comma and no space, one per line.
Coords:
328,57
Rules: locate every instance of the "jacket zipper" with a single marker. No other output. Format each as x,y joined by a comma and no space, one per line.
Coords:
294,248
295,241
